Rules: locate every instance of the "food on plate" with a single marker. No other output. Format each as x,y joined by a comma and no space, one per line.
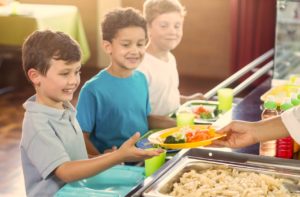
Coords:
185,137
175,138
204,112
188,135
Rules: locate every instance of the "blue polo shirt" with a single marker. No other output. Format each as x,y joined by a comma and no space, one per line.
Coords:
112,109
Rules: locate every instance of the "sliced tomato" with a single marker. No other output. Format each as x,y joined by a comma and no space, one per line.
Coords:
202,135
197,136
189,136
200,110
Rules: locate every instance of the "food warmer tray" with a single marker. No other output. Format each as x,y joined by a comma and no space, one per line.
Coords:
161,180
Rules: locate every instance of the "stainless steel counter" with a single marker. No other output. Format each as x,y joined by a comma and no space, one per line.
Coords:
248,109
159,183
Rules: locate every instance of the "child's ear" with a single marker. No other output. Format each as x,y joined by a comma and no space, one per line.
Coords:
107,46
148,29
34,76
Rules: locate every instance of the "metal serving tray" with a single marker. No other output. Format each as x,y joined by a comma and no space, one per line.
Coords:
164,186
161,182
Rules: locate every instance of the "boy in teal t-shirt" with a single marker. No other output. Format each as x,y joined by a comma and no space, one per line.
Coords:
114,104
108,104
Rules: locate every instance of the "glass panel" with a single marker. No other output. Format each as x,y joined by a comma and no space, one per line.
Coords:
287,44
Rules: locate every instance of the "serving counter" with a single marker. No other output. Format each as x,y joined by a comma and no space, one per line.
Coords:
248,109
199,161
238,161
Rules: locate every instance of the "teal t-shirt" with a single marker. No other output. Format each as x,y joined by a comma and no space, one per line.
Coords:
112,109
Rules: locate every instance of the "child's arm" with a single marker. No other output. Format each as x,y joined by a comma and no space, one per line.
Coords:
160,122
114,148
91,149
75,170
196,96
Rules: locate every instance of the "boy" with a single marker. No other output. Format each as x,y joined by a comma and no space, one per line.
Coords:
52,146
164,21
114,103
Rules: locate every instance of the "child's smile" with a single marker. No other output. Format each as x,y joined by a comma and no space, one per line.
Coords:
69,91
134,59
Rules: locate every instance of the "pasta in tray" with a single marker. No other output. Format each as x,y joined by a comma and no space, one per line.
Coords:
228,182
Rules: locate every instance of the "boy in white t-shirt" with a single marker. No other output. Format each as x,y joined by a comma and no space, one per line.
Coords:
164,21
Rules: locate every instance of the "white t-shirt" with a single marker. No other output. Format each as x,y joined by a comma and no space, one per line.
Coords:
163,82
291,120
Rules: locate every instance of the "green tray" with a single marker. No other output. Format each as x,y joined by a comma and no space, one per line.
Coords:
114,182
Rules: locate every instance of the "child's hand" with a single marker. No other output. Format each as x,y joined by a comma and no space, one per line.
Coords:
132,153
114,148
197,96
239,134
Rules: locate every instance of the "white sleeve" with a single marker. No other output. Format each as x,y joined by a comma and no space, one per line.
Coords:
291,120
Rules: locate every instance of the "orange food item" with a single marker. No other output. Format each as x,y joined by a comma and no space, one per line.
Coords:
200,110
189,137
199,135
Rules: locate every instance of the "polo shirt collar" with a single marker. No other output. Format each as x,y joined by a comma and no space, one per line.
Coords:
32,106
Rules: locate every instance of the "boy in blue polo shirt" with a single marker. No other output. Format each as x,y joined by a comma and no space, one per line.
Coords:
114,104
52,145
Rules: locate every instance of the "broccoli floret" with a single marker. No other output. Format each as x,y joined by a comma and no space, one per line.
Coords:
172,140
180,141
206,115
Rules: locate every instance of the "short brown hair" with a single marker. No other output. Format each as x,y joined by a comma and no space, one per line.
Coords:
42,46
121,18
154,8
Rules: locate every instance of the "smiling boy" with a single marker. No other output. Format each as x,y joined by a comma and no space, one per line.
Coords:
115,103
165,26
52,146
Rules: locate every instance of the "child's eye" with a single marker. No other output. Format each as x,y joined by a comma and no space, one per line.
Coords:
163,25
141,44
177,26
78,72
125,45
64,74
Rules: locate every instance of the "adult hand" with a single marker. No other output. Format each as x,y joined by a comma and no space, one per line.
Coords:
238,134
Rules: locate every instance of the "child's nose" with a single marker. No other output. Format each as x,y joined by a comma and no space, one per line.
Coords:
174,30
74,79
135,49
